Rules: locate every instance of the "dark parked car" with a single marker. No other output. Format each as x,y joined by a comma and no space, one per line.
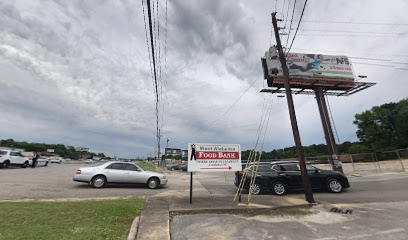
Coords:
174,167
281,177
184,168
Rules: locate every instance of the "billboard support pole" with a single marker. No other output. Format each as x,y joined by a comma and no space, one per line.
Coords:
305,178
327,129
191,187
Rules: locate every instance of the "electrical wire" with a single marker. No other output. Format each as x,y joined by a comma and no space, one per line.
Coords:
356,23
301,16
148,48
226,111
347,31
290,27
341,35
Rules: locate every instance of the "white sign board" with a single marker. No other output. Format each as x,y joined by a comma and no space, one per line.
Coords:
208,157
309,65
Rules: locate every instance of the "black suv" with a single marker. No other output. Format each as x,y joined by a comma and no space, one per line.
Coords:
280,177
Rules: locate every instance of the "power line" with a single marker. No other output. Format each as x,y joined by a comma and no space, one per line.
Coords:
290,27
209,126
356,23
287,16
347,31
301,16
340,35
148,48
165,67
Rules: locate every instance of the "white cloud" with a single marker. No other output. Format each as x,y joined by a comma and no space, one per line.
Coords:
77,72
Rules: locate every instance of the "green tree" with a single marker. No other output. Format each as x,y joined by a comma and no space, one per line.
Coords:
384,127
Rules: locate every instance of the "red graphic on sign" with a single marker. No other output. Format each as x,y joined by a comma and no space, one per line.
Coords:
229,168
217,155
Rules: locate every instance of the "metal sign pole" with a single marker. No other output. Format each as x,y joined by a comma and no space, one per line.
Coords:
191,187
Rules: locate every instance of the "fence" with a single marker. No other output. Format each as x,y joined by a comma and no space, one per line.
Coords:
363,163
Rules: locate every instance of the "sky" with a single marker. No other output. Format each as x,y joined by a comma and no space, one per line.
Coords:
79,72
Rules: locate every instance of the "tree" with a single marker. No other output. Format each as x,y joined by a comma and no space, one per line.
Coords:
384,127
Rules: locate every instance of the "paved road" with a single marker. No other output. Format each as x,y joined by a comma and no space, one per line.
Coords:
55,181
375,188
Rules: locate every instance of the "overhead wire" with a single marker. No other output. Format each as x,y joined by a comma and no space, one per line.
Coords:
148,48
356,23
165,67
216,120
290,27
301,16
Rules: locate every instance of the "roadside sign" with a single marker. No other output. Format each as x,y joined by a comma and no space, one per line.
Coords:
209,157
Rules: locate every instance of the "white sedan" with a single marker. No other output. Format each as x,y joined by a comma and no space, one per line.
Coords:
118,172
41,161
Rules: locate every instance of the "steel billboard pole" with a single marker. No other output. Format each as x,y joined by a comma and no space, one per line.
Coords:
305,178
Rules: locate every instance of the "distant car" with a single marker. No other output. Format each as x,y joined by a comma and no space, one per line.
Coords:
184,168
10,157
174,167
89,161
119,172
41,161
56,160
280,177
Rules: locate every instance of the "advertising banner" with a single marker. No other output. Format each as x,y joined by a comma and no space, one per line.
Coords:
310,65
208,157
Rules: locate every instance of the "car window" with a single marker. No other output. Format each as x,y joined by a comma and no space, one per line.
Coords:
289,167
310,167
276,168
264,168
3,152
115,166
14,154
131,167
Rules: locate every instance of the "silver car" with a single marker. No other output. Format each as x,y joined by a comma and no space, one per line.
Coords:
118,172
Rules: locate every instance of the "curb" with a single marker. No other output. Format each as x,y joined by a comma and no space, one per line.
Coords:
133,229
234,211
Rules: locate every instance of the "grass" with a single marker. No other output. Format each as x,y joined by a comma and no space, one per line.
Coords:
147,166
105,219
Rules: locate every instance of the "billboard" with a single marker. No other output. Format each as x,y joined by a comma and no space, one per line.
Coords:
323,70
209,157
172,151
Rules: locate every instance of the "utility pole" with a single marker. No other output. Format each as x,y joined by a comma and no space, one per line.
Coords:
167,144
292,114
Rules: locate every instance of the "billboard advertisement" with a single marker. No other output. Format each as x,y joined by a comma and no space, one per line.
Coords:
209,157
309,65
172,151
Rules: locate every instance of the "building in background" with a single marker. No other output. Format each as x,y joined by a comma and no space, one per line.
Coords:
172,152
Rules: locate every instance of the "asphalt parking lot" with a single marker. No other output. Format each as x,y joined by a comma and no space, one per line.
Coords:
55,181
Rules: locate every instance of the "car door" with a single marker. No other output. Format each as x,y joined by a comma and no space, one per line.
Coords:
16,158
114,172
316,178
292,173
133,174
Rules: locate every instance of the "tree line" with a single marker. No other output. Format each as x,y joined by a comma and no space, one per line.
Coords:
59,149
380,129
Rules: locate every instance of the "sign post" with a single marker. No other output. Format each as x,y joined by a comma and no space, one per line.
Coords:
209,157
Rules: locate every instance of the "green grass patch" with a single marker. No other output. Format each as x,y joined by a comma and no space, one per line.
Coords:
105,219
147,166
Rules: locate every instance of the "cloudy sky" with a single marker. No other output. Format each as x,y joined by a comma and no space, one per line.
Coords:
78,72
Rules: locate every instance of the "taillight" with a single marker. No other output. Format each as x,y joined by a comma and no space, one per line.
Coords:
241,172
78,171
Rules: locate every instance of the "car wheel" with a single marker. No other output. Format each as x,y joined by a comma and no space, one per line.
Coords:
6,164
334,186
24,165
46,164
98,181
153,183
172,169
257,188
279,188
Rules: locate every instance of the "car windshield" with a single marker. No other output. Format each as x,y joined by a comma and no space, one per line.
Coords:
3,152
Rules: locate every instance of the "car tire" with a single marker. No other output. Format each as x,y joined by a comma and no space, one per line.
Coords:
153,183
6,164
257,188
98,181
334,185
46,164
172,169
279,188
24,165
